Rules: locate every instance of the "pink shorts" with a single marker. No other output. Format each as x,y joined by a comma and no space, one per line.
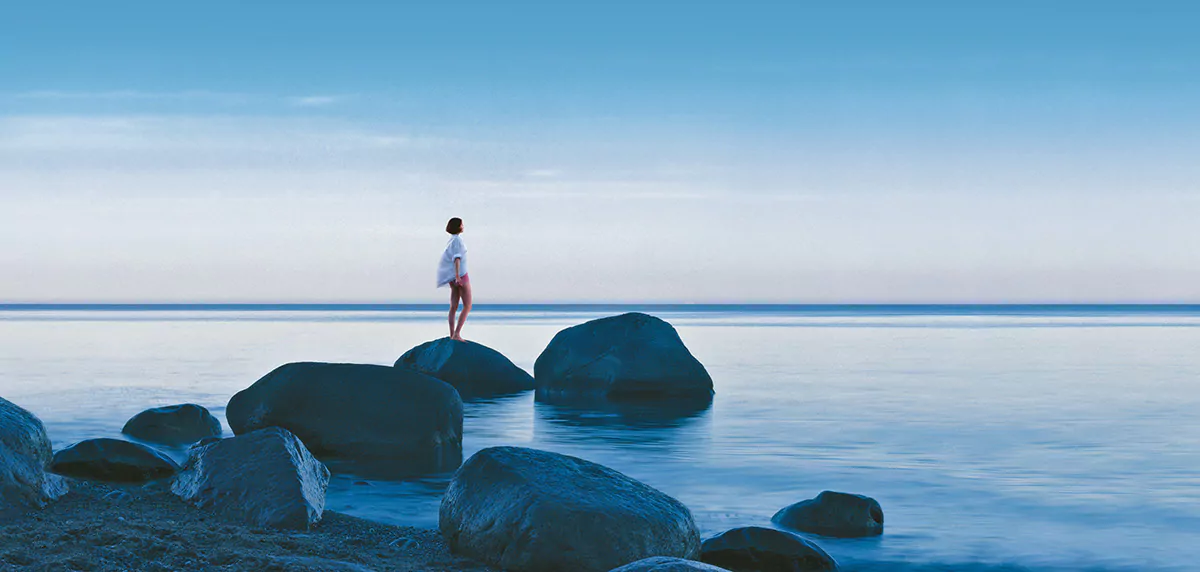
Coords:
466,279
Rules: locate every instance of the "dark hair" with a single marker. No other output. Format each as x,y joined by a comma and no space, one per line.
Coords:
454,226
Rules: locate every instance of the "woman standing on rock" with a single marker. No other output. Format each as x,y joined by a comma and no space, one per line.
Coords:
452,271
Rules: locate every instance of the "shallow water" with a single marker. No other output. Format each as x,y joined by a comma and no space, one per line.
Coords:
995,439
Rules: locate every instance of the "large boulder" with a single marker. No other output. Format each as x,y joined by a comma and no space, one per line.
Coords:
473,369
24,454
529,510
666,564
174,425
834,514
630,356
353,411
757,549
113,460
263,478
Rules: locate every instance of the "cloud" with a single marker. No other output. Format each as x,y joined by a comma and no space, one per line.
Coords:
58,142
315,100
190,132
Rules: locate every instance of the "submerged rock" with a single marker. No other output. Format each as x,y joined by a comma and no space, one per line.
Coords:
473,369
173,425
530,510
24,454
834,514
666,564
263,478
757,549
355,411
630,356
113,460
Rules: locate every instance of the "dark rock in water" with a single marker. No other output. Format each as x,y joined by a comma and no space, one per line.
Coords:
113,460
757,549
473,369
174,425
834,514
665,564
631,356
530,510
24,454
262,478
359,412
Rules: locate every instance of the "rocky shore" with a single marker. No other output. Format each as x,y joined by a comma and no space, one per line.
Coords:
102,527
255,501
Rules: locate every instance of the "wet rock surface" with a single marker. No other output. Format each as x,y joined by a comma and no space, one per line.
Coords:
113,460
25,453
757,549
174,425
357,411
531,510
262,478
834,514
630,356
475,370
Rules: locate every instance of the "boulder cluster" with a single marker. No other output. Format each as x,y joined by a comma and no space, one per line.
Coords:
510,507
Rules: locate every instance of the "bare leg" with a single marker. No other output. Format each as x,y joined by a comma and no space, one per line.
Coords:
465,291
454,296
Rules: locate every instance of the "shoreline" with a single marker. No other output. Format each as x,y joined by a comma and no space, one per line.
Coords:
101,526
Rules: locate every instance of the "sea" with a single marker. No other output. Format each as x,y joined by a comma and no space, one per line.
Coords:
996,438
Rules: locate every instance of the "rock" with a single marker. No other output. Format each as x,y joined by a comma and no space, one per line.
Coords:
665,564
24,454
263,478
757,549
203,442
473,369
356,411
530,510
834,514
113,460
629,356
174,425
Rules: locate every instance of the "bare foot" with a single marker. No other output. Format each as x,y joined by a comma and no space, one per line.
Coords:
457,337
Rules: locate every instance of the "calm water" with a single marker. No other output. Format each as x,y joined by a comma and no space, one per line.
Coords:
995,438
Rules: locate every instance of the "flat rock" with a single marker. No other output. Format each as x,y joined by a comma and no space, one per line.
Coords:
473,369
355,411
834,514
757,549
174,425
25,453
667,564
630,356
113,460
263,478
530,510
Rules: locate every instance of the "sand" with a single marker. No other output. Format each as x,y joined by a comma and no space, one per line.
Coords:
106,527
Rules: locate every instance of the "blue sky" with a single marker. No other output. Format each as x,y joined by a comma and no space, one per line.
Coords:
799,152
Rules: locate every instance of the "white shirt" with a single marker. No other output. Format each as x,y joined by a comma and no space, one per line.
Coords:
454,249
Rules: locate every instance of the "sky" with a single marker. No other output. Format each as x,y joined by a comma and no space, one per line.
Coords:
875,152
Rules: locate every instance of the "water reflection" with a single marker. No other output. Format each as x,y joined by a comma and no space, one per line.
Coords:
637,423
646,414
396,469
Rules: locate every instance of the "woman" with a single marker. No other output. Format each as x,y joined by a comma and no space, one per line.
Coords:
452,271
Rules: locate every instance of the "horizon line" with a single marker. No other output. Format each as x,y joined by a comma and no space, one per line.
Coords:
694,306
